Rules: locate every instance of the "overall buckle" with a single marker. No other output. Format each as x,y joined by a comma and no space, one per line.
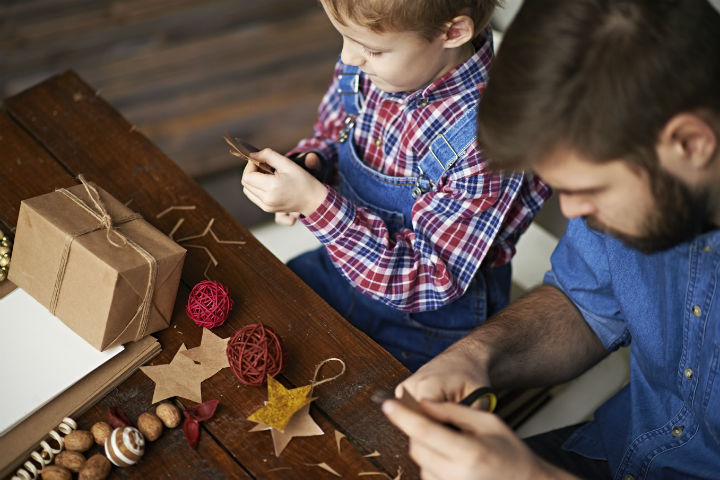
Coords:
345,132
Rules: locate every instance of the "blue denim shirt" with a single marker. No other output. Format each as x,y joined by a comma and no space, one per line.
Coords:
666,422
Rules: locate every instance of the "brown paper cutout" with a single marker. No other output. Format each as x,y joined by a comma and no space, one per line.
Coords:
325,467
382,474
338,437
179,378
211,352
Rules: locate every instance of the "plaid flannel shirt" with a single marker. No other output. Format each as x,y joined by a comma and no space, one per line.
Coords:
473,217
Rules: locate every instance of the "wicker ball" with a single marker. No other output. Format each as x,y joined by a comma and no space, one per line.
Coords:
254,352
125,446
209,304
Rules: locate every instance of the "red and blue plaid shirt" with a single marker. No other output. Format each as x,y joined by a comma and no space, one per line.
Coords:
471,219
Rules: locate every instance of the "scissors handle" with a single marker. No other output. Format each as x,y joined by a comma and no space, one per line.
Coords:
481,392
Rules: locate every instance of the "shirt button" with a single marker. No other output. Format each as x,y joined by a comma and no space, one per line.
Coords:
378,142
628,477
696,310
423,103
677,431
707,248
688,373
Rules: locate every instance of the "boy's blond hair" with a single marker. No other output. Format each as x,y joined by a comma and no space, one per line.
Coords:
426,17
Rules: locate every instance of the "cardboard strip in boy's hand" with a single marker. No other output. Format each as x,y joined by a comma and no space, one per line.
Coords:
243,149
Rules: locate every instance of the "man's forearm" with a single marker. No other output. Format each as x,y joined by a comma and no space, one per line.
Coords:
540,339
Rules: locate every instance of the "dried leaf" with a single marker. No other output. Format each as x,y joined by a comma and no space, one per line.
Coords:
117,418
202,411
191,428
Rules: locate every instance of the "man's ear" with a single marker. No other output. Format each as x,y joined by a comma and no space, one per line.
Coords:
686,146
460,30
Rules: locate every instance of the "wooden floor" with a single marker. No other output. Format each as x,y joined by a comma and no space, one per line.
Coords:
184,72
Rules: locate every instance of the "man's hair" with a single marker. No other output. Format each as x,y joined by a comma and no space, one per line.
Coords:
426,17
600,77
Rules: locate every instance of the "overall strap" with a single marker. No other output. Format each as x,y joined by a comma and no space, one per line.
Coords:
445,151
349,89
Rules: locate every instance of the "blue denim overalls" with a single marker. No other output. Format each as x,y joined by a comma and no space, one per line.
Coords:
413,338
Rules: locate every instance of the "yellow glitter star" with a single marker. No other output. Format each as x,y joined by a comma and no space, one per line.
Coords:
281,405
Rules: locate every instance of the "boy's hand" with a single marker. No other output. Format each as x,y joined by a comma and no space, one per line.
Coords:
289,189
312,162
285,218
485,448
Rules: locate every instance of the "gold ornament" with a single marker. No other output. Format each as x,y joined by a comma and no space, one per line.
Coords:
3,274
4,260
281,405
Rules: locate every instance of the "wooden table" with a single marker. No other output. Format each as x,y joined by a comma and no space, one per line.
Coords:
58,129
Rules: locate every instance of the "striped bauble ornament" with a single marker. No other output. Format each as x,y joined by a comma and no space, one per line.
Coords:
125,446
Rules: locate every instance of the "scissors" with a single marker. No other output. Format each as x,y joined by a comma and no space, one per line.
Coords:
409,401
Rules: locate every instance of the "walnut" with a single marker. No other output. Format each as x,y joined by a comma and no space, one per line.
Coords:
79,440
97,467
150,426
100,432
73,461
169,414
55,472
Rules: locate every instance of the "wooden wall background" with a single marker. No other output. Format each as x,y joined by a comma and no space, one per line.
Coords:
184,72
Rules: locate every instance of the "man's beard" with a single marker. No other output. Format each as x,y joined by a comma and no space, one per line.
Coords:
679,216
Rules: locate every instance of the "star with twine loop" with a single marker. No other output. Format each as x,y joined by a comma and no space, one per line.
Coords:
287,412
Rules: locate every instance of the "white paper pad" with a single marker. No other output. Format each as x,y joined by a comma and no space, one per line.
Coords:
40,357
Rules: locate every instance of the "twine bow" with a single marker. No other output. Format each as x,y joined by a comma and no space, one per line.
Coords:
105,221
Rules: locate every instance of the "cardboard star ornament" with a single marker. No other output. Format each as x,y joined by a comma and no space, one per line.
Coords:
287,412
179,378
282,404
300,425
211,352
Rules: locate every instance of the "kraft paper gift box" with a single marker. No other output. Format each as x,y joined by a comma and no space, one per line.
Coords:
100,268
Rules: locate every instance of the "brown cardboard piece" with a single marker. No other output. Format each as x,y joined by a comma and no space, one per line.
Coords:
98,278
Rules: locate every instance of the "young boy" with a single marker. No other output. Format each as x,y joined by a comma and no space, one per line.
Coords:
417,236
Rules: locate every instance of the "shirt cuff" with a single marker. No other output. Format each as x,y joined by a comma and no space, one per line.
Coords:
331,219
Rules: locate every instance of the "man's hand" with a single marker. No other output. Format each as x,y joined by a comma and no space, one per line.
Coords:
450,376
289,189
485,448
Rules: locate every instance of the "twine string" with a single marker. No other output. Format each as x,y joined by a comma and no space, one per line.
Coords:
314,383
105,221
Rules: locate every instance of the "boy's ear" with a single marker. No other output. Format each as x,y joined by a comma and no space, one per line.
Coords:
460,30
686,146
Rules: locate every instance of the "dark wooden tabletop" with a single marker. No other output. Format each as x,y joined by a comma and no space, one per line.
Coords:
58,129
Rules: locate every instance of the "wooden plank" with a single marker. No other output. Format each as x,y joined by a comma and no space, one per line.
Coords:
87,136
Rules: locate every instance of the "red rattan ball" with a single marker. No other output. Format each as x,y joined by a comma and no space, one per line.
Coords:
209,304
254,352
